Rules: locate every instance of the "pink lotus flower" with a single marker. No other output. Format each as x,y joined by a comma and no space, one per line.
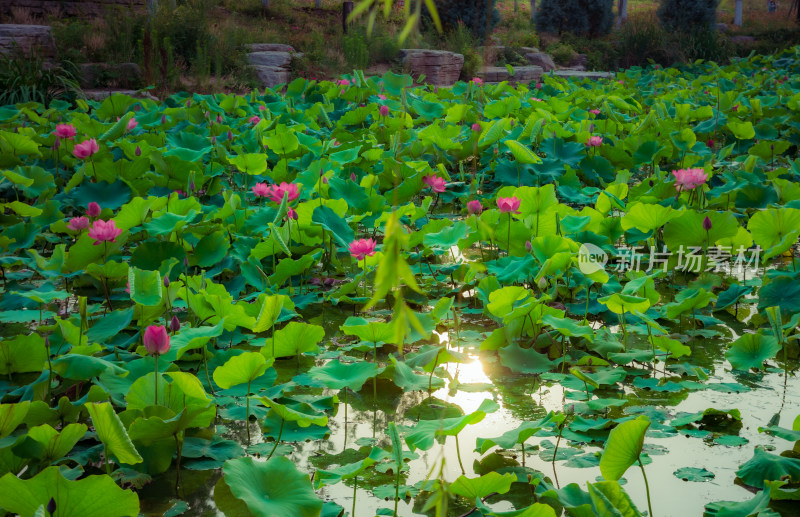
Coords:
261,107
474,207
384,110
436,183
595,111
93,210
362,248
132,124
476,127
255,119
343,82
284,189
85,149
687,179
77,224
292,214
262,190
536,99
65,131
156,340
382,96
735,107
538,86
508,204
595,141
477,80
103,231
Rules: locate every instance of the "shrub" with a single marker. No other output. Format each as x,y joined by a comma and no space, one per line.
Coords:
592,17
562,53
688,15
23,78
461,41
355,50
479,16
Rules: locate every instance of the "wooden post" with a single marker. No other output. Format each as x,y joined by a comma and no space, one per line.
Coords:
347,8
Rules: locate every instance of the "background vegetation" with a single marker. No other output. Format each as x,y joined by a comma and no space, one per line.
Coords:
198,45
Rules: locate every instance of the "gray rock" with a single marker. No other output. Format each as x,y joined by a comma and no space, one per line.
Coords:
529,50
269,47
541,59
522,74
579,75
743,40
271,76
27,37
722,27
99,95
270,58
440,67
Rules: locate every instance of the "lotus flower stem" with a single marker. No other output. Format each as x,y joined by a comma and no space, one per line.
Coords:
155,384
247,413
508,250
647,489
355,487
179,452
105,458
278,441
458,455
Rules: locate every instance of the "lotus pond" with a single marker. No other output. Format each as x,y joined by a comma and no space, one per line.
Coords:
369,298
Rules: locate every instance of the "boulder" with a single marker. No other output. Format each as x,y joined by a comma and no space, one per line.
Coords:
99,95
541,59
440,67
582,74
271,76
269,47
743,40
522,74
270,58
578,62
27,37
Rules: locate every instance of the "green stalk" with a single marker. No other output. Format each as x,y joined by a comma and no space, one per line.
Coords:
458,454
278,441
247,415
355,487
156,381
647,488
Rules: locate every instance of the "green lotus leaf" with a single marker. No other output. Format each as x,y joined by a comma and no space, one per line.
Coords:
623,447
273,487
22,354
112,433
609,498
241,369
290,414
405,378
751,350
337,375
622,303
763,467
94,496
480,487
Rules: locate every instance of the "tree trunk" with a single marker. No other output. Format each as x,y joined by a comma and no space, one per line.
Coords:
622,12
737,16
516,6
318,4
533,8
265,5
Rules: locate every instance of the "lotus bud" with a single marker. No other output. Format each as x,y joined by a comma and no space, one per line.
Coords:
163,119
57,143
352,176
166,281
230,135
528,245
213,140
542,283
174,324
707,224
51,507
138,151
